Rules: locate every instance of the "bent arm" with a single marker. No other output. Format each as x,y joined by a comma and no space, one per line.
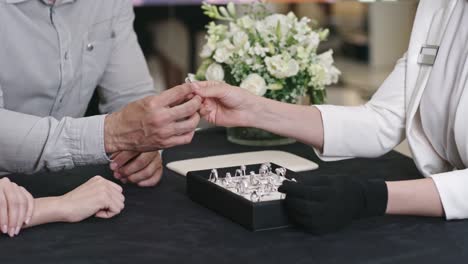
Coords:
29,143
369,130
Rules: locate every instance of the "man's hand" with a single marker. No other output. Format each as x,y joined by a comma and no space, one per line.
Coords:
225,105
144,169
154,122
98,197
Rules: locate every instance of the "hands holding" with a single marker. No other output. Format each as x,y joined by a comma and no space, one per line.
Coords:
226,105
154,123
136,133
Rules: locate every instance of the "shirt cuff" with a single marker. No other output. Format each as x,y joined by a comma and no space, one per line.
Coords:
332,134
453,193
88,141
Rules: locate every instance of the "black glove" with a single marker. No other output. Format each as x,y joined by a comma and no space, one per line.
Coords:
326,204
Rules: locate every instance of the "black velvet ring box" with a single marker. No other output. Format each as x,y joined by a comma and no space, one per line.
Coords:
255,216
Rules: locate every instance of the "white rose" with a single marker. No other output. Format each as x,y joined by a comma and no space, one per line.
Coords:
332,75
319,75
221,55
283,21
326,58
207,51
313,40
224,51
214,72
240,38
255,84
234,28
281,67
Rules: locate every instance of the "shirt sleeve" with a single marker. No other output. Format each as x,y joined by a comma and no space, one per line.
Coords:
29,144
126,77
1,97
453,193
369,130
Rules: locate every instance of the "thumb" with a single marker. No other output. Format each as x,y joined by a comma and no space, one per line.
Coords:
210,89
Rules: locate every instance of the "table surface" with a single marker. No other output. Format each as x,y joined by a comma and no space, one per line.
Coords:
162,225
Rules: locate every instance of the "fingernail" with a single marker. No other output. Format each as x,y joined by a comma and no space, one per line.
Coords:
17,230
113,165
27,220
4,229
12,232
117,175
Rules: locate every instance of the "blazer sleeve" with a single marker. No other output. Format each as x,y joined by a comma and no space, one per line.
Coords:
453,193
452,185
368,130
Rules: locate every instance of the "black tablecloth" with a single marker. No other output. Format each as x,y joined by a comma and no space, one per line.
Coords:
162,225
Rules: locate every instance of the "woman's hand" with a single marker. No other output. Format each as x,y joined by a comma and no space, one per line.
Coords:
16,207
226,105
98,196
144,169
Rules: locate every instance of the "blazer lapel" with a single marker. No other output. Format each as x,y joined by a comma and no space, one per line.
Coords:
430,24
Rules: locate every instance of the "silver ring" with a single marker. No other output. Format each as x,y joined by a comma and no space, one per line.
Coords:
254,197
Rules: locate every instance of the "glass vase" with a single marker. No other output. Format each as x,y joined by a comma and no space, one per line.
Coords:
249,136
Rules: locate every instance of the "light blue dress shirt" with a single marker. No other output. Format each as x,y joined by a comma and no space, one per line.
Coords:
52,58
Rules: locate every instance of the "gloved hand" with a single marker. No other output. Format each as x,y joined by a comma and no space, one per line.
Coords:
326,204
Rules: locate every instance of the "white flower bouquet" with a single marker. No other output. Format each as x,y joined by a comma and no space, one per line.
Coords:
271,55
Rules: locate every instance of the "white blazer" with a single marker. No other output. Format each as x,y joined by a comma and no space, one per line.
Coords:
376,128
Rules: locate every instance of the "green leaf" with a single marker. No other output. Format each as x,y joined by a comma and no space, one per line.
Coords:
232,9
224,12
200,75
278,30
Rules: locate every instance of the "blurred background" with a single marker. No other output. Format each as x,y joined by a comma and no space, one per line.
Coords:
367,37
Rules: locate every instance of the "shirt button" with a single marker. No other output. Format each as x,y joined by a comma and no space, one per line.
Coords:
90,47
66,55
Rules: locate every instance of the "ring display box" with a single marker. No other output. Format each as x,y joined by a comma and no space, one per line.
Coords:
247,195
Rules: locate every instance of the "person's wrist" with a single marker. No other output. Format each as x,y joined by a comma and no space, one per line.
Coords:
110,135
66,212
59,208
255,112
